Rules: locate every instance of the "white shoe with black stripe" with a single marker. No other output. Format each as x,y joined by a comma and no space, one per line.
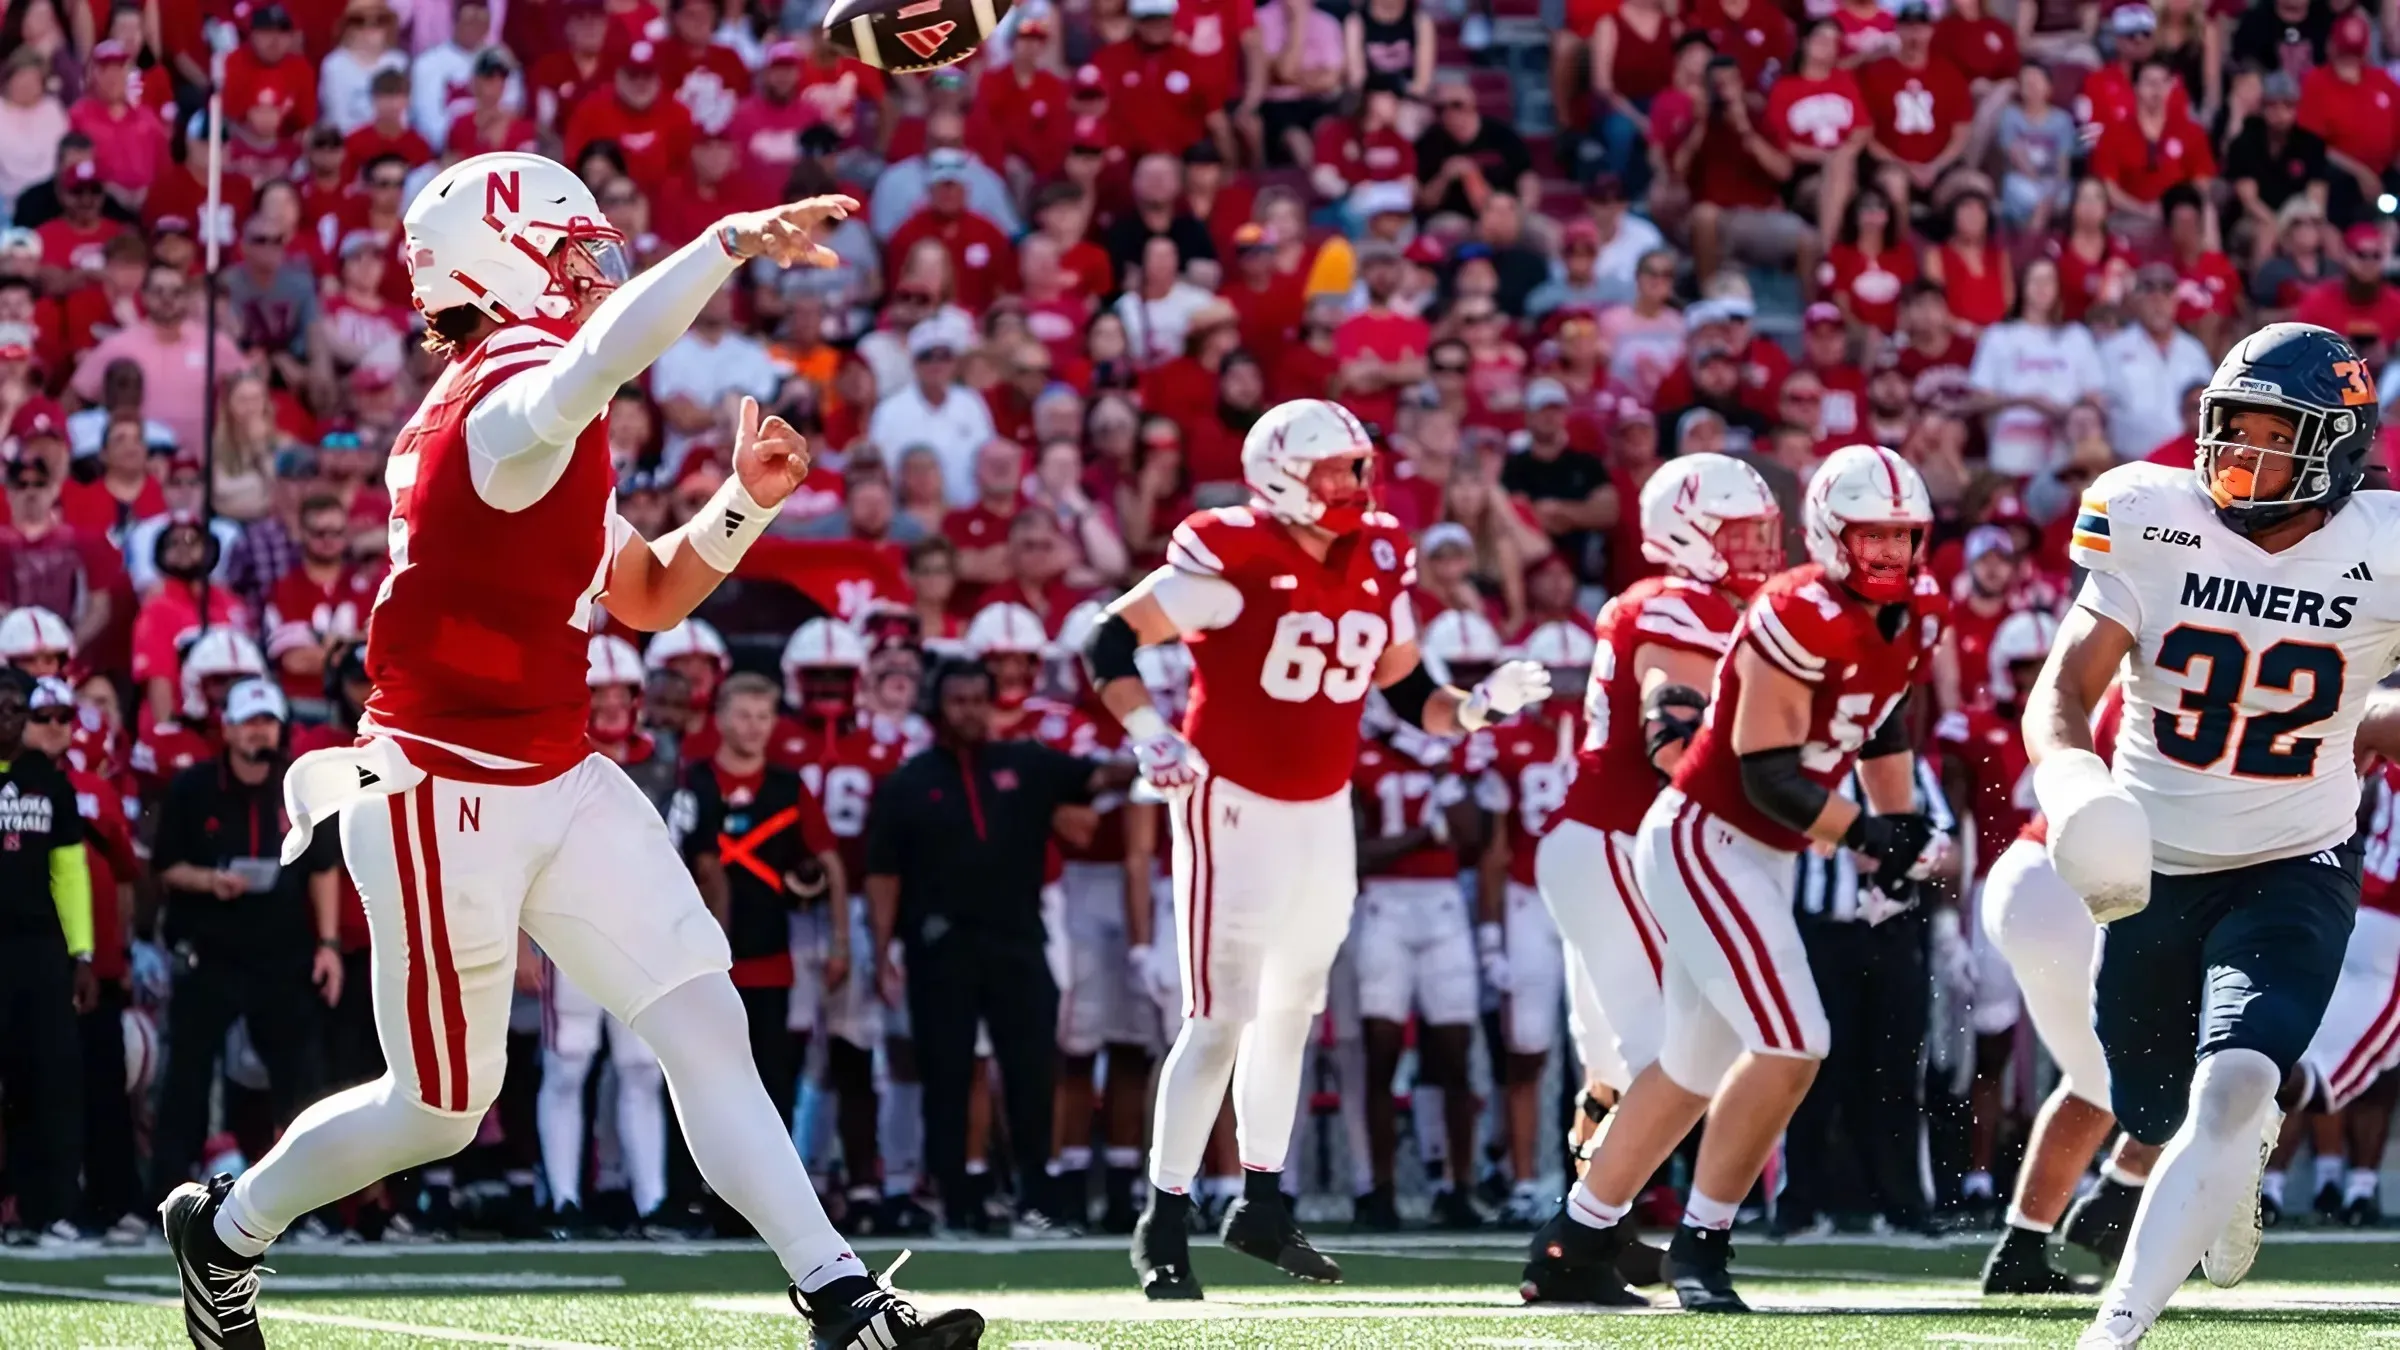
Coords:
862,1313
220,1289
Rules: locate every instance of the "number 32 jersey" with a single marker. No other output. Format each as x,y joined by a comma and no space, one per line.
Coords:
2250,670
1284,645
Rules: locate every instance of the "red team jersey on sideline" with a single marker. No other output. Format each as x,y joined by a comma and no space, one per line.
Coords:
2379,863
841,769
1399,790
478,637
1532,767
1614,782
1277,693
1991,748
1820,634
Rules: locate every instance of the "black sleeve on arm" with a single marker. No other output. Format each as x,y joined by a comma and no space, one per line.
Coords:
176,840
1069,777
1890,736
1108,652
1774,783
1409,694
887,842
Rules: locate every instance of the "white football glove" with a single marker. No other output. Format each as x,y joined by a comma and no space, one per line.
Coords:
1934,857
1875,907
1514,686
2099,835
1168,762
1953,955
1491,952
1155,975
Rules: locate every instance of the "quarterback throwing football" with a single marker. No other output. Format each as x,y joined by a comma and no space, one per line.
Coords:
474,805
1294,607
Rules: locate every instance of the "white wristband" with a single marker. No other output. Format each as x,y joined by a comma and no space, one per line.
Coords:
1475,710
725,528
1143,725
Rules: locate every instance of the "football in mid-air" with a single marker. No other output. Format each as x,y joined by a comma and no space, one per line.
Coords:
905,35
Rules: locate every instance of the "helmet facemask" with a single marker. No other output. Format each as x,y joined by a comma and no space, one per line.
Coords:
1881,583
1752,549
828,693
1013,675
1343,487
2264,459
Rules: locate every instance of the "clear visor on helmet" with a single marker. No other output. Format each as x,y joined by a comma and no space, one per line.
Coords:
2259,450
1752,546
595,258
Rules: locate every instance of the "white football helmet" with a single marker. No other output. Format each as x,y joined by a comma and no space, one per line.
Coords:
1566,650
515,235
2026,635
1076,629
1865,485
692,637
1006,629
30,630
1288,442
830,646
1686,506
1459,646
219,653
612,660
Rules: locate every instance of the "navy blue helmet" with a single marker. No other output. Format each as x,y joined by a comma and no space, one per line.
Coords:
2317,380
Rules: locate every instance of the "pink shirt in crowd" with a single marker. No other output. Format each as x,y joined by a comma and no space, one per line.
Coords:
174,373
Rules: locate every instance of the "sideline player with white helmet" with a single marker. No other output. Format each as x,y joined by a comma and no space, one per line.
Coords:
1524,785
1294,606
1815,681
475,792
694,652
1711,522
573,1021
216,661
36,641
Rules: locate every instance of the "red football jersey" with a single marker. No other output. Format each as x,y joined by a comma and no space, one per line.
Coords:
841,770
165,749
2379,867
478,636
1532,765
1823,636
1277,691
1401,789
1073,730
1991,748
1614,782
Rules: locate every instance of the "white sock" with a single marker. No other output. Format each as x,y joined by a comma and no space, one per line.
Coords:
2122,1177
1350,1062
1122,1156
558,1120
642,1128
1191,1089
1220,1188
1978,1183
1266,1087
1699,1211
900,1130
1073,1158
1590,1210
2270,1185
340,1145
2360,1185
737,1137
2018,1219
2330,1170
2199,1179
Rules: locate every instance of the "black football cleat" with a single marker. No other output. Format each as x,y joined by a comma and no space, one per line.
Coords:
1262,1226
2102,1218
1571,1262
2328,1205
1454,1211
1641,1264
220,1289
1376,1212
2020,1264
2364,1212
1162,1250
859,1312
1696,1270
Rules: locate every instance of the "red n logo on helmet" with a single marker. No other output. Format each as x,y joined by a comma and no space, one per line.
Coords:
499,191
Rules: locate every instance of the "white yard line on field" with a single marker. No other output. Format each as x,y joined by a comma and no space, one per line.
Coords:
432,1281
452,1334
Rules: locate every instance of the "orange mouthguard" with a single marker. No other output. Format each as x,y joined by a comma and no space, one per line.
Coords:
2233,483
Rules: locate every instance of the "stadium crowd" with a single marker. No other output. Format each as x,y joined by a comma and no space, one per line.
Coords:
2008,246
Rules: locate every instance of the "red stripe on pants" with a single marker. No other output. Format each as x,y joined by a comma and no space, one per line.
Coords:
1204,897
1716,929
2368,1053
445,966
420,1013
1758,947
1632,900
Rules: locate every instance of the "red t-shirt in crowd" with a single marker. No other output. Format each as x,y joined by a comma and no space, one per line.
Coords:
1976,297
1815,114
2081,280
710,80
1982,49
129,144
1028,116
1158,98
91,509
2360,118
2143,168
2329,304
654,140
983,261
1390,336
1211,31
290,82
2107,97
370,143
1726,174
559,84
466,140
2205,285
1915,111
835,91
65,244
1873,284
1760,40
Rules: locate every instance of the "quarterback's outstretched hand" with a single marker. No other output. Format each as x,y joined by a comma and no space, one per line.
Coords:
768,455
1514,686
785,234
1168,762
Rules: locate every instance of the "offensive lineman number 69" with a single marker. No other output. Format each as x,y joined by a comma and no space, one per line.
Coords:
1297,667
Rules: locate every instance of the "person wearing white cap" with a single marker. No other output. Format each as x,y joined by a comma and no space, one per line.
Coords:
936,411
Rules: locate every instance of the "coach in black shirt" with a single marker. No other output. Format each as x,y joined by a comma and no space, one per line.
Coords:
956,848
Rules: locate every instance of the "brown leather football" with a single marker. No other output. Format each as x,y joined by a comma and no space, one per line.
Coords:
905,35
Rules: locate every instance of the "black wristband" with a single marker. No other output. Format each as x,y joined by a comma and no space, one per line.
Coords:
1409,694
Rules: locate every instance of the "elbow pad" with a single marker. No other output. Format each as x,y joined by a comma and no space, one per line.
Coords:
1663,727
1775,785
1409,694
1890,736
1108,652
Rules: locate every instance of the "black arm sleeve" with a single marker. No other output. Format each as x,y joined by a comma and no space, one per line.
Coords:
1108,652
1409,694
1775,785
1890,736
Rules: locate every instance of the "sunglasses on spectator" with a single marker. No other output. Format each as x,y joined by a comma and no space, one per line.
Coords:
387,182
1803,396
267,240
51,717
1658,272
1449,367
28,479
326,531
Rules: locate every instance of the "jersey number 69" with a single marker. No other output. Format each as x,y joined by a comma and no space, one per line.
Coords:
1297,668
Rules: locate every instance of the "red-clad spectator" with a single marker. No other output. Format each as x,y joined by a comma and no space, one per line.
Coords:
1062,213
580,66
979,531
1755,33
2355,107
2141,156
1921,109
1368,148
1222,201
1311,366
766,127
325,196
319,605
72,245
1817,116
982,259
1934,356
835,85
257,144
185,554
631,21
652,133
181,193
1825,353
2107,97
1025,104
488,125
2094,264
271,56
1869,31
1737,179
1267,305
388,132
1759,361
126,491
704,75
1184,389
1381,351
2205,284
376,211
1969,265
129,140
1038,557
91,313
1055,313
44,561
2361,305
1218,34
358,325
1868,267
1983,48
707,190
1159,93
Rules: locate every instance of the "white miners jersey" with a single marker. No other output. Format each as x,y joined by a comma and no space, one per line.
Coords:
2249,669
